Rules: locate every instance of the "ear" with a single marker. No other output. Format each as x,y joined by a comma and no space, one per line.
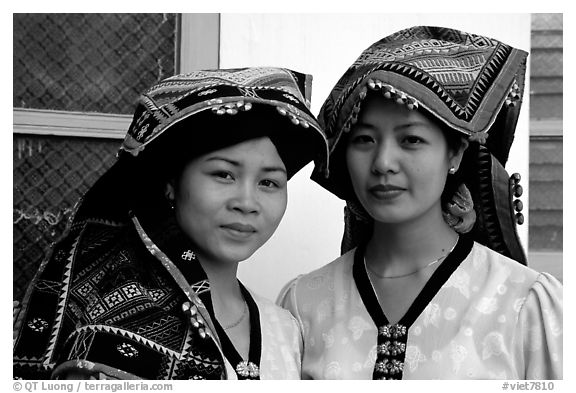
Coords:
456,157
169,191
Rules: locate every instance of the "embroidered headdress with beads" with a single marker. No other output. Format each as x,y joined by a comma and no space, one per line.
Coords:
206,102
470,83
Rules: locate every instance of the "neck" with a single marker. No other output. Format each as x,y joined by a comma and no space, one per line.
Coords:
396,249
230,308
225,290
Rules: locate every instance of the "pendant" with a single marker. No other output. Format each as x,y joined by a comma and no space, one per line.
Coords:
247,369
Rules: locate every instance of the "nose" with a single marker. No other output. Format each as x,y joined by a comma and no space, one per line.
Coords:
385,159
245,200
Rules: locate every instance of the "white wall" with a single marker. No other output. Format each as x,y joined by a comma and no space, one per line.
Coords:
324,45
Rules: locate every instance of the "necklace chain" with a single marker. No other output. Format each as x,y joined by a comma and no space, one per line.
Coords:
239,320
417,270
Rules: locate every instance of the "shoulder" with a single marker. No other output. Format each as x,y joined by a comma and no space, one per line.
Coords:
494,263
271,312
325,277
277,322
490,266
319,286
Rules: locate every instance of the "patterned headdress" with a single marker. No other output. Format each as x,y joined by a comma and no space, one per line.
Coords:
470,83
203,103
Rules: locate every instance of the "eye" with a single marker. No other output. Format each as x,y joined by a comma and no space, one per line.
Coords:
271,184
361,139
222,175
412,140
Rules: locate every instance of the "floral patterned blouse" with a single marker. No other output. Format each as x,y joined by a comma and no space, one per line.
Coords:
281,343
480,316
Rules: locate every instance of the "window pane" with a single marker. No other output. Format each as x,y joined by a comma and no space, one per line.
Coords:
50,175
546,157
90,62
546,60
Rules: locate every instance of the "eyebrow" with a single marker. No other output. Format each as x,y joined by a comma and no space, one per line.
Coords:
363,124
238,164
407,124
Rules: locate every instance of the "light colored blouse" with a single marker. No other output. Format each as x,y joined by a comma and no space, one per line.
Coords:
490,318
281,343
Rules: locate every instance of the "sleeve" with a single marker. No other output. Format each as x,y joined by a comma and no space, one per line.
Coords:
540,328
296,342
287,299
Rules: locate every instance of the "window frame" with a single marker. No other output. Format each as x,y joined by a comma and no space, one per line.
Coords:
198,47
546,261
546,128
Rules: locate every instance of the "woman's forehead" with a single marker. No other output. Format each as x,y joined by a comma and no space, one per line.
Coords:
259,150
377,110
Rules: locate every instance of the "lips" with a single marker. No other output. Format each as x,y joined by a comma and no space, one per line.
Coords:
240,229
385,188
386,191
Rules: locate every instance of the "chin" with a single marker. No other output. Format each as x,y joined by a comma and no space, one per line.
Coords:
237,255
235,252
387,217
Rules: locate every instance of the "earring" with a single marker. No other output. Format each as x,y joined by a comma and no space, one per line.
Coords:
452,170
170,202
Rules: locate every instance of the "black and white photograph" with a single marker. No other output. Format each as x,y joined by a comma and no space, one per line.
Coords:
287,196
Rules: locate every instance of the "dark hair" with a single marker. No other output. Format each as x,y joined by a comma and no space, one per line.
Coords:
454,140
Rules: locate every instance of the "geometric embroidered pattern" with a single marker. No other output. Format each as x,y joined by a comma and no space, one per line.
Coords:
114,298
85,289
461,92
201,287
460,81
92,329
82,344
38,325
156,294
161,330
95,311
188,255
49,286
127,350
131,290
119,316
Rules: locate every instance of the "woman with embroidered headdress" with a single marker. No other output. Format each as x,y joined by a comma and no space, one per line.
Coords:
143,285
432,283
